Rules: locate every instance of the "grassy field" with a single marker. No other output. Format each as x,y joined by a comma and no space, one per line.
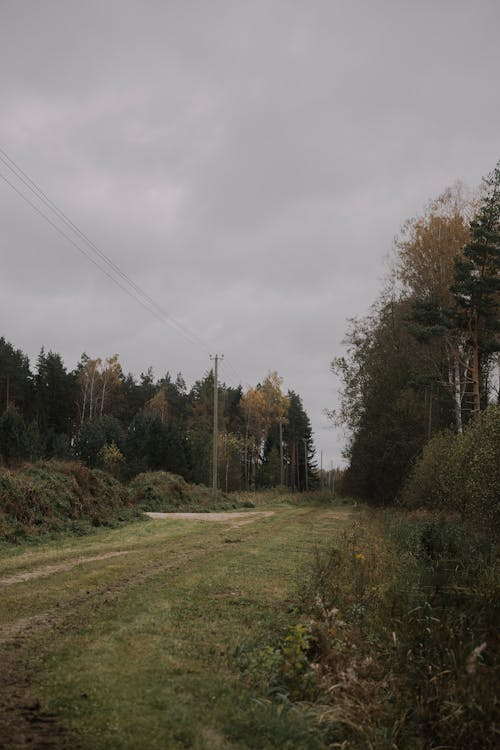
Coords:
127,638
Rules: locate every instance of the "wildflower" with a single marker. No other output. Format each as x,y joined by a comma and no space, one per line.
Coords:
360,557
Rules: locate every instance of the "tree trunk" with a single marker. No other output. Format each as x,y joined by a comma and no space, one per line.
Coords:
457,397
102,395
475,367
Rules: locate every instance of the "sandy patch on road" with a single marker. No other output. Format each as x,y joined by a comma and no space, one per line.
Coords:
48,570
236,518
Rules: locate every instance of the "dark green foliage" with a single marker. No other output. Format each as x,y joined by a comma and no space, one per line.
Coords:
426,319
96,434
447,651
388,402
477,274
111,421
16,380
14,437
58,496
55,398
152,445
297,435
461,473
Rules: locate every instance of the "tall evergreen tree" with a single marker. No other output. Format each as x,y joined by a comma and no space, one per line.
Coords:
16,380
476,286
299,445
55,399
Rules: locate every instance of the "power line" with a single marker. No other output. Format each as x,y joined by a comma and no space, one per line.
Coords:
80,249
150,305
228,367
103,262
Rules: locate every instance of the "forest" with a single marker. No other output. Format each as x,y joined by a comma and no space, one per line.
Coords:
422,368
126,426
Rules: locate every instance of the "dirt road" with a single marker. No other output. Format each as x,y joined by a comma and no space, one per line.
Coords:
73,610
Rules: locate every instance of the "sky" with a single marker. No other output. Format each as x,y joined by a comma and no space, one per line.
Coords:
246,164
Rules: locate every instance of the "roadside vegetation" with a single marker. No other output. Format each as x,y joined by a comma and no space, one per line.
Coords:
54,496
165,492
425,360
48,497
394,644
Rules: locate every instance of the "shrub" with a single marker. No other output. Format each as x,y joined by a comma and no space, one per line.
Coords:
460,473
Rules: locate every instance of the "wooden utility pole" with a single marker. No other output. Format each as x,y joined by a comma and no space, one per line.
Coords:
215,360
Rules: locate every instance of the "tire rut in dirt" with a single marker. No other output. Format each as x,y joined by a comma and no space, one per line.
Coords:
24,723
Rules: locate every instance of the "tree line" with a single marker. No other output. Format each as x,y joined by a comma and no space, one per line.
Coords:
127,425
426,357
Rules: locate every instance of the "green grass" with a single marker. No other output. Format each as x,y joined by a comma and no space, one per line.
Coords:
144,652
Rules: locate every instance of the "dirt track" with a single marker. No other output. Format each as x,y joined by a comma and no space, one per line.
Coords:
242,516
43,605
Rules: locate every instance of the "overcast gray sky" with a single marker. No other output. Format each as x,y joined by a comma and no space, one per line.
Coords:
246,163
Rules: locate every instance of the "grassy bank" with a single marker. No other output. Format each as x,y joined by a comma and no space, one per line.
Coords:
49,497
396,643
54,496
165,492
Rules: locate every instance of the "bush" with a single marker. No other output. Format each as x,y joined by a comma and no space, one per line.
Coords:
461,473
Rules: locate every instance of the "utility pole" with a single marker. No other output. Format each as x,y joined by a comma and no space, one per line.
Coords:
215,360
282,479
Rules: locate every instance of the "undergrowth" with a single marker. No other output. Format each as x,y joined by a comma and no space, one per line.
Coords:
55,496
394,643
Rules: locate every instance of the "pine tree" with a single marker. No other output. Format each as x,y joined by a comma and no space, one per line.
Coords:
476,286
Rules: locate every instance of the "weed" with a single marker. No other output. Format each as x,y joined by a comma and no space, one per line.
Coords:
399,634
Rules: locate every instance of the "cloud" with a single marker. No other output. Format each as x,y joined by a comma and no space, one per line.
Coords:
248,164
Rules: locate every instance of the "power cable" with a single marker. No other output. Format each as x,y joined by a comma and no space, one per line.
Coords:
21,175
86,254
132,289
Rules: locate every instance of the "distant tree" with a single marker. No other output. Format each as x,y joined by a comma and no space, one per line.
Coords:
158,406
199,428
229,457
257,422
388,403
152,445
100,383
95,435
426,251
110,383
55,396
16,380
299,445
14,437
